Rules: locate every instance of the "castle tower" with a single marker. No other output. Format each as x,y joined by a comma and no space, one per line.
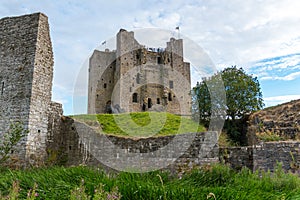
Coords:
26,73
145,78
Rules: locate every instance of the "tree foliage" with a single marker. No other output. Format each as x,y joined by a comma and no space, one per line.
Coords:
243,93
209,100
243,96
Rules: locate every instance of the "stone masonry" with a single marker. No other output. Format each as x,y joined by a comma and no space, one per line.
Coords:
135,78
82,144
282,120
26,73
265,156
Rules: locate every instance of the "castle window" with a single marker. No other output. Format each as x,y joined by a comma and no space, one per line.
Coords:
158,100
159,60
104,86
137,56
171,84
134,97
170,96
2,88
149,103
138,78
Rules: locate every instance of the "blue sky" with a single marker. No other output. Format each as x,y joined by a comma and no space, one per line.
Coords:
263,37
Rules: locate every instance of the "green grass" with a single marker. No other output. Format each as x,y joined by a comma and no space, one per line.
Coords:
143,124
219,180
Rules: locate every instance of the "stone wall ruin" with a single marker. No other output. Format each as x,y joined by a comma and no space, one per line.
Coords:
26,73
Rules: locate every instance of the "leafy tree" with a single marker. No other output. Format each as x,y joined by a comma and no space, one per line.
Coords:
243,93
209,101
243,96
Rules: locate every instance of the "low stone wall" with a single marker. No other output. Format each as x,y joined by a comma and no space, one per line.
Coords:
264,156
82,144
237,157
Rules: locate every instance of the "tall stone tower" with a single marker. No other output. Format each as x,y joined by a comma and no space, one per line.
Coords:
26,73
135,78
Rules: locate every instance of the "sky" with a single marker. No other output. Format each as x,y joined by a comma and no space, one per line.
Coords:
262,37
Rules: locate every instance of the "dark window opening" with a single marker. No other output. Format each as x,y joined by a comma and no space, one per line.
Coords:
137,56
2,88
171,84
138,78
39,131
135,97
70,147
158,100
170,96
159,60
144,107
149,103
97,96
108,108
104,86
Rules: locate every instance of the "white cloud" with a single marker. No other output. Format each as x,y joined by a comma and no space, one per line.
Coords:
231,32
289,77
275,100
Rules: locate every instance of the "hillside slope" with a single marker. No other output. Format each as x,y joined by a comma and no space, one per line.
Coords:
281,122
141,124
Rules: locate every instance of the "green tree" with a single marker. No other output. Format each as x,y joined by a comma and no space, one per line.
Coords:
243,96
209,101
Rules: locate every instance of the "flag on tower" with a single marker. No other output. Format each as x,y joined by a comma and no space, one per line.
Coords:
177,28
103,43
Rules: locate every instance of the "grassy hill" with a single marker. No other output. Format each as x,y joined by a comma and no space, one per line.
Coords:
142,124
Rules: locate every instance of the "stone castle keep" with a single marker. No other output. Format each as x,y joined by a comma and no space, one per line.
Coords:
134,78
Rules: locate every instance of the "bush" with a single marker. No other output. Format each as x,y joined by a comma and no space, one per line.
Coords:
15,133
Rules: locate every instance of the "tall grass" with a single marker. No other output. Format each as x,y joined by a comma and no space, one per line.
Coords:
218,182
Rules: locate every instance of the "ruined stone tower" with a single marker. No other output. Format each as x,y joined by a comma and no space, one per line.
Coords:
135,78
26,73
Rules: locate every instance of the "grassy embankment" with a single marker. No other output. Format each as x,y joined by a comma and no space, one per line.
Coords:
142,124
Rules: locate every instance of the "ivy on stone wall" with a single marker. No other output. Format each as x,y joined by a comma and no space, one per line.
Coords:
10,139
